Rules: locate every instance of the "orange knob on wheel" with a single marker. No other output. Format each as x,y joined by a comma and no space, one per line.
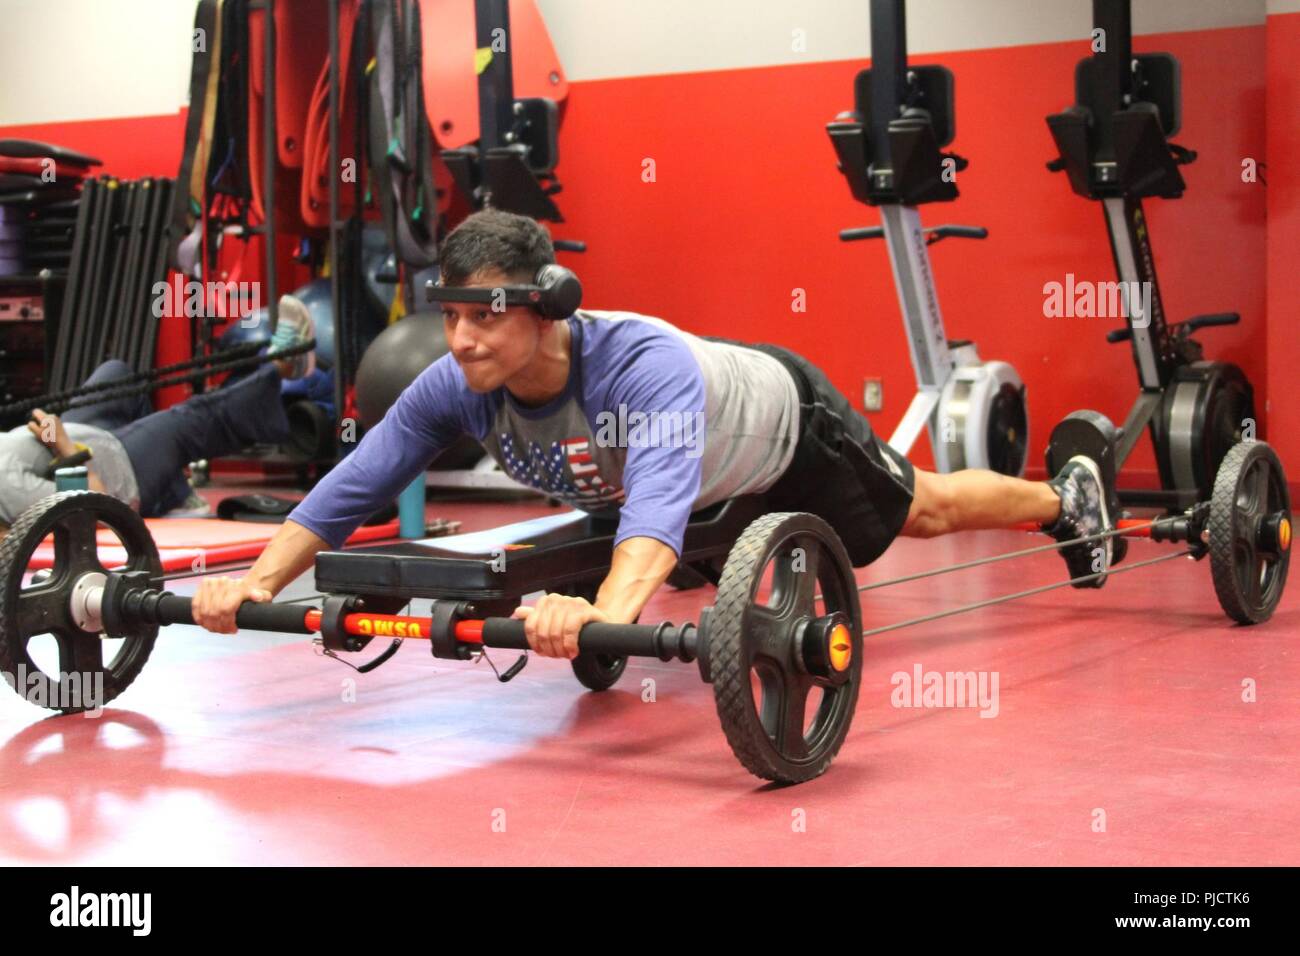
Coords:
841,647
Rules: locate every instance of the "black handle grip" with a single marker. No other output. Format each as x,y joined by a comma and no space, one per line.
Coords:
862,232
935,233
957,232
569,245
72,461
1214,318
624,640
1191,325
286,618
1057,165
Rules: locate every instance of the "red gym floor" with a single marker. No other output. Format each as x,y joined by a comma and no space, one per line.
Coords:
1121,737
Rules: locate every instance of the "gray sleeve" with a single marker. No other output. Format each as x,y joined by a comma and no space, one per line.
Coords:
20,488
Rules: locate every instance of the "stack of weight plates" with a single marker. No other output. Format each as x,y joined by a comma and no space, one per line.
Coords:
40,188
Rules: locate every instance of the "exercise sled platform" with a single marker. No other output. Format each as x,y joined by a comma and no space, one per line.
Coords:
567,552
765,644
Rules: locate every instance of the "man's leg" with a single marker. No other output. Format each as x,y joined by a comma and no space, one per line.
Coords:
114,412
840,470
210,425
1071,507
974,499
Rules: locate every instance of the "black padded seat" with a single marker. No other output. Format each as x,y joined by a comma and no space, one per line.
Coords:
544,554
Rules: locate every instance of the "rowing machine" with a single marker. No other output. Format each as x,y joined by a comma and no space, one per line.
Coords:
1114,147
889,151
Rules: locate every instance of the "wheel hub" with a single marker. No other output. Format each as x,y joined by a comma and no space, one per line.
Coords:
824,647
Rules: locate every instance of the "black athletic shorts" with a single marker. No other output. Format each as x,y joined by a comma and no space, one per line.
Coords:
841,471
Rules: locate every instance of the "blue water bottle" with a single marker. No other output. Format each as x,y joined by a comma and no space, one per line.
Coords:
410,509
76,478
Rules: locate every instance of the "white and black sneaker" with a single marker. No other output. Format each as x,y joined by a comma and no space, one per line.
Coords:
195,506
293,328
1084,513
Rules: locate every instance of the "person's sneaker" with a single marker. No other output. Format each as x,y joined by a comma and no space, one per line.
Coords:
195,506
294,327
1083,513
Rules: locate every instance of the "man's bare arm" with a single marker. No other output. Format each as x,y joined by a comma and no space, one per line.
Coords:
288,554
640,567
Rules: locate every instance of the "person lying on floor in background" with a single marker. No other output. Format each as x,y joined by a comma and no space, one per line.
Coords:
538,393
139,455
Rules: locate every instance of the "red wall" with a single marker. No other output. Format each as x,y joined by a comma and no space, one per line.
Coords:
1283,337
131,148
747,205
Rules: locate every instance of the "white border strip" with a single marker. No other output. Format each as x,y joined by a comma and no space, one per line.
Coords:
68,60
604,39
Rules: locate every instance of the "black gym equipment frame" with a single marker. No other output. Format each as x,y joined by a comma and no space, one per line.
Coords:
512,166
1114,147
117,257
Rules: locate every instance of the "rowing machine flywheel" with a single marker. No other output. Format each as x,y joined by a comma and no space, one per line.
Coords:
1203,414
1250,532
982,416
784,647
1007,432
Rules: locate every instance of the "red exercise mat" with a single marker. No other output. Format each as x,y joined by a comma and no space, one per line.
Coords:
35,167
182,540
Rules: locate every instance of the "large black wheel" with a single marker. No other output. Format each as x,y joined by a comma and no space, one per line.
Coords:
1250,532
598,671
774,646
594,671
52,646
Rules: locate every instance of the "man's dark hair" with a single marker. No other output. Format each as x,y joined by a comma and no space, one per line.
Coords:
492,239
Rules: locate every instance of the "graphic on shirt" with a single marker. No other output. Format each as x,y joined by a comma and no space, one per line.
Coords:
565,470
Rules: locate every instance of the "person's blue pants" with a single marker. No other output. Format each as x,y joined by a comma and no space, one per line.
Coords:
243,412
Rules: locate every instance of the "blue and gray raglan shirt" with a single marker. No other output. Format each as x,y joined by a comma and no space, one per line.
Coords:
654,423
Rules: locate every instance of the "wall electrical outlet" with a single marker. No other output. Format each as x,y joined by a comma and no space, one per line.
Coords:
873,395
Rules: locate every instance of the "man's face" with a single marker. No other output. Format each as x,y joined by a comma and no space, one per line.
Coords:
490,347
